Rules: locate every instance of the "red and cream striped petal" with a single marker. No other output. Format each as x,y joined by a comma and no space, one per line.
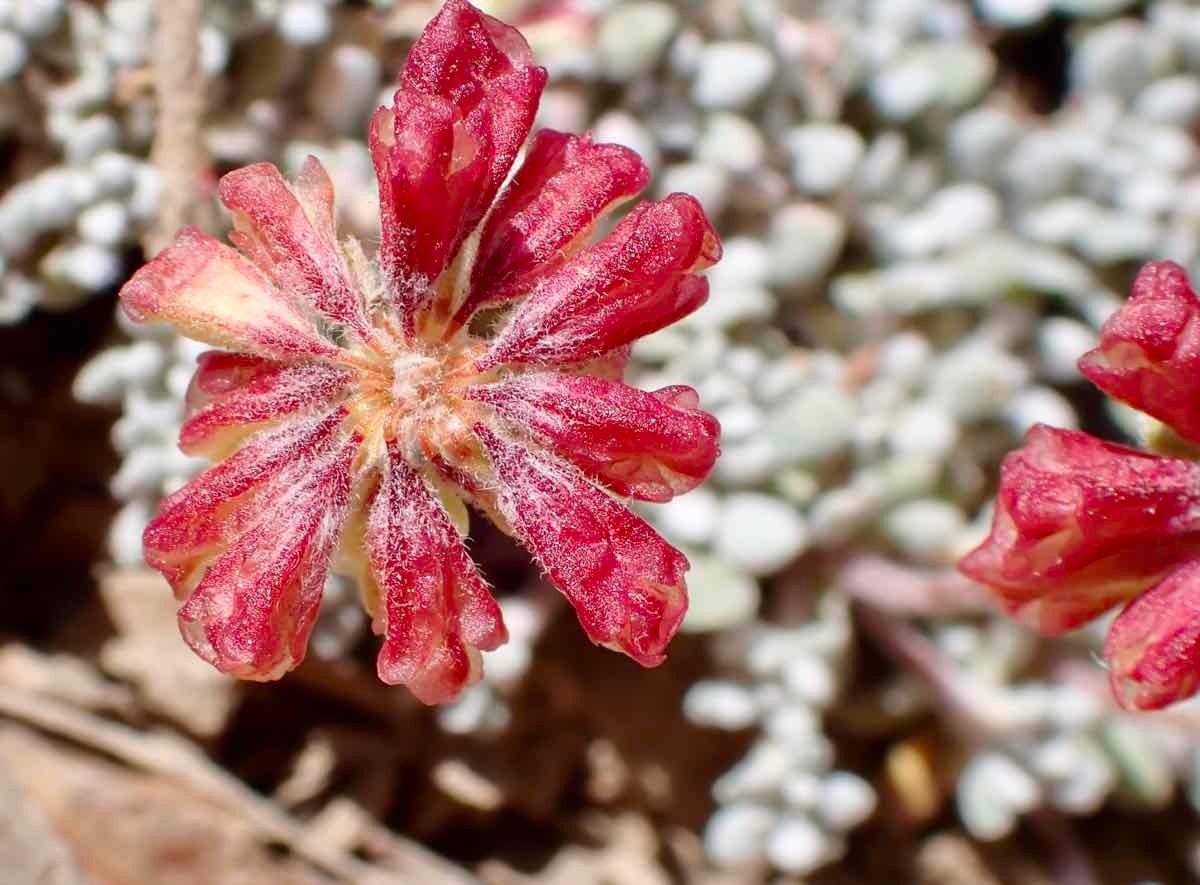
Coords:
651,446
466,102
212,294
566,184
246,546
429,168
633,282
291,236
233,395
624,581
193,523
486,68
434,610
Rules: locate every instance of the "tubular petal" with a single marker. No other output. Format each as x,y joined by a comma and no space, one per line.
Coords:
1081,525
1082,598
631,283
466,102
220,371
624,581
651,446
565,185
1153,646
291,237
429,167
435,613
213,294
194,523
486,68
658,312
231,398
252,611
1149,353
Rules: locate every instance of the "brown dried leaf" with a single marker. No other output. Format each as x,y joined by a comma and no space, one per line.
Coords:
129,828
345,826
627,855
170,679
458,780
168,758
950,859
32,852
63,677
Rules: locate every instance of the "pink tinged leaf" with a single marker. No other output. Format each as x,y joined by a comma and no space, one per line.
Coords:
292,238
624,581
213,294
651,446
436,612
635,281
195,523
1153,646
466,102
1149,353
1082,525
233,395
565,185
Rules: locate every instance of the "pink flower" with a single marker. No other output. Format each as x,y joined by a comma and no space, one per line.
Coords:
1082,526
479,359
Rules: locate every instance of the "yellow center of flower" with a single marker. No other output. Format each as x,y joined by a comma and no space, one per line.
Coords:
416,396
416,378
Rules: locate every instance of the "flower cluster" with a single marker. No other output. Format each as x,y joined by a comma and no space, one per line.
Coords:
1082,526
358,404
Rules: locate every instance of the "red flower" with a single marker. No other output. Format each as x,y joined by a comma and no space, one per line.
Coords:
479,359
1083,525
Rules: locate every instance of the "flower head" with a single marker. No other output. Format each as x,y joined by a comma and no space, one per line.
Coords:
359,404
1082,526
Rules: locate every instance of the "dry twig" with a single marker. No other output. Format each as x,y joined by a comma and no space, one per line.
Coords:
170,756
178,150
31,851
904,590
